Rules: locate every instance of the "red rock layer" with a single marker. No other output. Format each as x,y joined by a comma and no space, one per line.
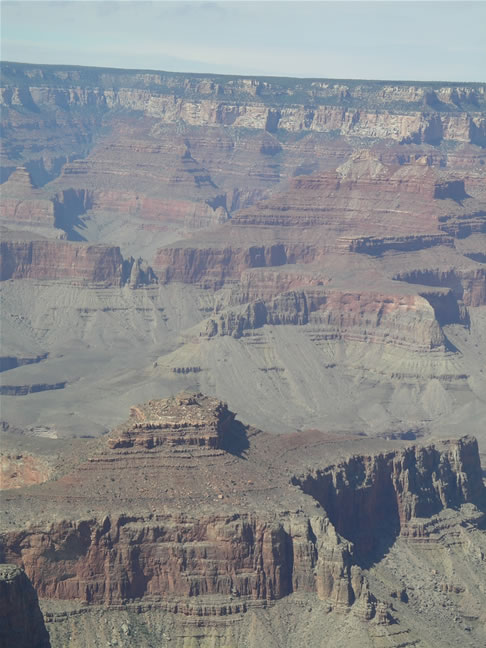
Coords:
366,196
21,470
274,544
60,260
212,266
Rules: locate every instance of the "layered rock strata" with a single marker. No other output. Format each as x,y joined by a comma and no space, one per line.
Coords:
346,211
396,490
406,112
60,260
73,262
370,317
175,424
209,533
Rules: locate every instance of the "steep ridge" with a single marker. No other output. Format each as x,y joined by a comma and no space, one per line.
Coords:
164,544
22,624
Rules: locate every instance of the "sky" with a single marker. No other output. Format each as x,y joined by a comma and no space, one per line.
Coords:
414,40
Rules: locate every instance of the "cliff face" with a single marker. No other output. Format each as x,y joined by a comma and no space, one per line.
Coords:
258,547
368,498
60,260
73,262
370,317
255,556
21,621
405,112
466,285
212,266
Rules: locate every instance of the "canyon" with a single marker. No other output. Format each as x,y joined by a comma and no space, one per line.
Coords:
226,255
184,514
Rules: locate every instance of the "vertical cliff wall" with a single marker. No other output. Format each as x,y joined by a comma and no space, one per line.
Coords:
21,621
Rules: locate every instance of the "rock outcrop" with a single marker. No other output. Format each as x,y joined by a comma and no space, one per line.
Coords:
370,498
21,621
64,260
175,424
72,262
265,542
370,317
407,112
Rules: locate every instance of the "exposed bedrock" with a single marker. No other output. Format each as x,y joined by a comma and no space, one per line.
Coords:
408,112
66,260
253,557
170,542
21,620
367,501
347,210
161,424
44,259
466,285
371,500
406,320
363,193
211,266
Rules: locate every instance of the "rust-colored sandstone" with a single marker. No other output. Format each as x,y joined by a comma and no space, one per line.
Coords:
186,510
52,260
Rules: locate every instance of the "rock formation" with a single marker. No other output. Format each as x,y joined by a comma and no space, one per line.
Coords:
21,621
34,260
345,218
185,509
311,252
175,425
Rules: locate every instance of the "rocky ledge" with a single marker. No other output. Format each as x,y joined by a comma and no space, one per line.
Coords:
148,517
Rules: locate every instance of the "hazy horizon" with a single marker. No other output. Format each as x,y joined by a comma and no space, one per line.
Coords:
435,40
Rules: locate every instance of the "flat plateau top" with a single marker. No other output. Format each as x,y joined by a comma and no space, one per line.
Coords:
251,473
